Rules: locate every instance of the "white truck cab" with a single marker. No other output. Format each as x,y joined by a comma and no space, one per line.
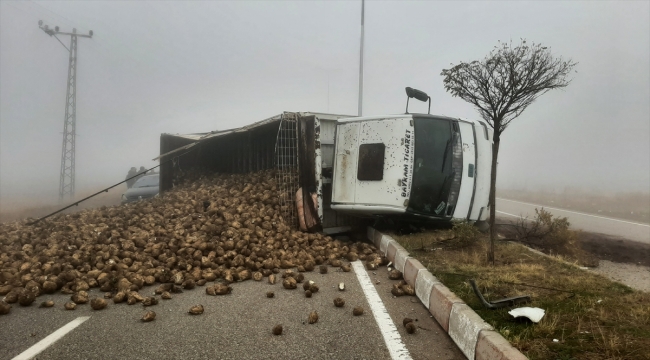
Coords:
412,165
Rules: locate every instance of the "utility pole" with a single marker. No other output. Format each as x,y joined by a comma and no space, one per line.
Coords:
66,182
361,62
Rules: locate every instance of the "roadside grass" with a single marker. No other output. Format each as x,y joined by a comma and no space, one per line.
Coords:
592,318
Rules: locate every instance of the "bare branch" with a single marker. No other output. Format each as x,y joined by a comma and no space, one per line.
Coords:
508,80
501,87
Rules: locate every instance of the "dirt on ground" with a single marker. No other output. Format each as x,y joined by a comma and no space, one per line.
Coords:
615,249
634,276
616,258
590,247
587,316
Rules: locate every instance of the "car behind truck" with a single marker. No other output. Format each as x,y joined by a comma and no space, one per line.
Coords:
418,167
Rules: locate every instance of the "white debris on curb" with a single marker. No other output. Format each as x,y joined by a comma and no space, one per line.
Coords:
534,314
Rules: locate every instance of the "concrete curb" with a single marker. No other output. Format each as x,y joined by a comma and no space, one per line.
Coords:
473,336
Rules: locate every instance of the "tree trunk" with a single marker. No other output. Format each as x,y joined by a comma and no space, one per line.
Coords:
493,190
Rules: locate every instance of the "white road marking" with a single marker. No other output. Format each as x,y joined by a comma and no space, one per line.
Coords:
388,330
50,339
574,212
505,213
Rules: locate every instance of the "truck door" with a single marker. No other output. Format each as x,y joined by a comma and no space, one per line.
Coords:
345,163
373,165
381,161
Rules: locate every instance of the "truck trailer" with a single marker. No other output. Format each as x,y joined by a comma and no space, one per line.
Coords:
344,169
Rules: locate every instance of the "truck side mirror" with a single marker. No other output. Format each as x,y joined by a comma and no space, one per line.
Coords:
418,94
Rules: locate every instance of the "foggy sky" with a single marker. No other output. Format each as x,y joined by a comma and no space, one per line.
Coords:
184,67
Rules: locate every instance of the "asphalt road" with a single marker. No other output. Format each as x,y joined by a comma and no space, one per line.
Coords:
235,326
580,221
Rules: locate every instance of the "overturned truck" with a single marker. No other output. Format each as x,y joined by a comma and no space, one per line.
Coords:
337,171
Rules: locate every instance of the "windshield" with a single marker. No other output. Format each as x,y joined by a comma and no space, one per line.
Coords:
432,167
147,181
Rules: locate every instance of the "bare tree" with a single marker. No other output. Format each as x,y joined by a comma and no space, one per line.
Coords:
501,87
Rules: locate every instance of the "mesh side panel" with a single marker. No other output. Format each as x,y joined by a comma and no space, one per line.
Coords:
286,154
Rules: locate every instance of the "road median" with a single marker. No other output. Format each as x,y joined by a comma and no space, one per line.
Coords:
462,324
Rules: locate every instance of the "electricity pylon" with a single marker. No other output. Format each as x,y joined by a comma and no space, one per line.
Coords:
66,182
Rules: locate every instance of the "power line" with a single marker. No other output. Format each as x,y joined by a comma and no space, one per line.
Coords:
173,159
70,22
38,14
19,9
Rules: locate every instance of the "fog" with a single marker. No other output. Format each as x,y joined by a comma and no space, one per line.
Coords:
184,67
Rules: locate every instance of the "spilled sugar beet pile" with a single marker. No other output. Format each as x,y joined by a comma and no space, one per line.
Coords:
223,228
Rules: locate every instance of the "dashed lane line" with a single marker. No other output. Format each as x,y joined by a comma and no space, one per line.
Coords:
50,339
392,338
